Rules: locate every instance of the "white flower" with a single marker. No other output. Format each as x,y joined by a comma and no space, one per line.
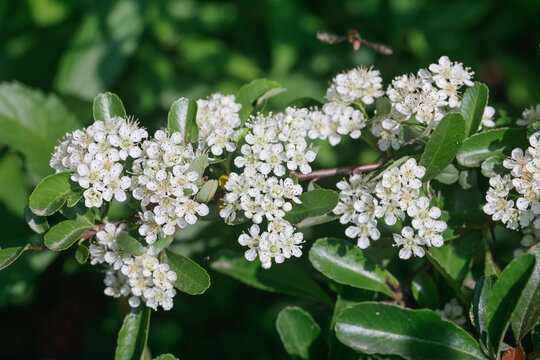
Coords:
410,243
298,157
453,312
529,116
251,241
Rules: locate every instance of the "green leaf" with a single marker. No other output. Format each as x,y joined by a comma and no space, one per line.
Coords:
51,194
131,245
250,93
183,118
412,334
81,254
161,244
448,175
347,264
133,335
199,164
314,203
9,255
443,144
505,296
493,166
448,277
38,224
425,292
64,234
166,357
191,277
383,106
482,146
297,330
276,279
107,106
473,103
456,256
32,123
527,310
349,296
207,191
478,313
99,48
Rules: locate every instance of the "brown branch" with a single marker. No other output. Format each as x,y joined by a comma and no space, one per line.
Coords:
352,169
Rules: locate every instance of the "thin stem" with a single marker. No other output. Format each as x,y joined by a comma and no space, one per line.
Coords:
323,173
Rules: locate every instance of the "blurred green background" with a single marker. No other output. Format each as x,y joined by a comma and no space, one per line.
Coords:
152,52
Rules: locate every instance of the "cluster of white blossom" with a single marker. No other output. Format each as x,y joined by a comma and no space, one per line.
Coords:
339,117
392,197
96,155
142,278
453,312
217,117
529,116
165,183
514,198
274,144
427,96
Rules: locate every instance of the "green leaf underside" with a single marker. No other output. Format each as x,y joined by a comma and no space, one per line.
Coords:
443,144
347,264
9,255
51,193
472,107
64,234
133,335
505,296
297,330
413,334
528,308
498,142
448,175
38,224
32,123
191,277
276,279
314,203
207,191
107,106
81,254
183,118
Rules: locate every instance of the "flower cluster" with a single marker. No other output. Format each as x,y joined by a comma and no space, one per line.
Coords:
274,144
392,197
453,312
427,96
142,278
529,116
165,183
514,198
217,117
96,156
359,83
